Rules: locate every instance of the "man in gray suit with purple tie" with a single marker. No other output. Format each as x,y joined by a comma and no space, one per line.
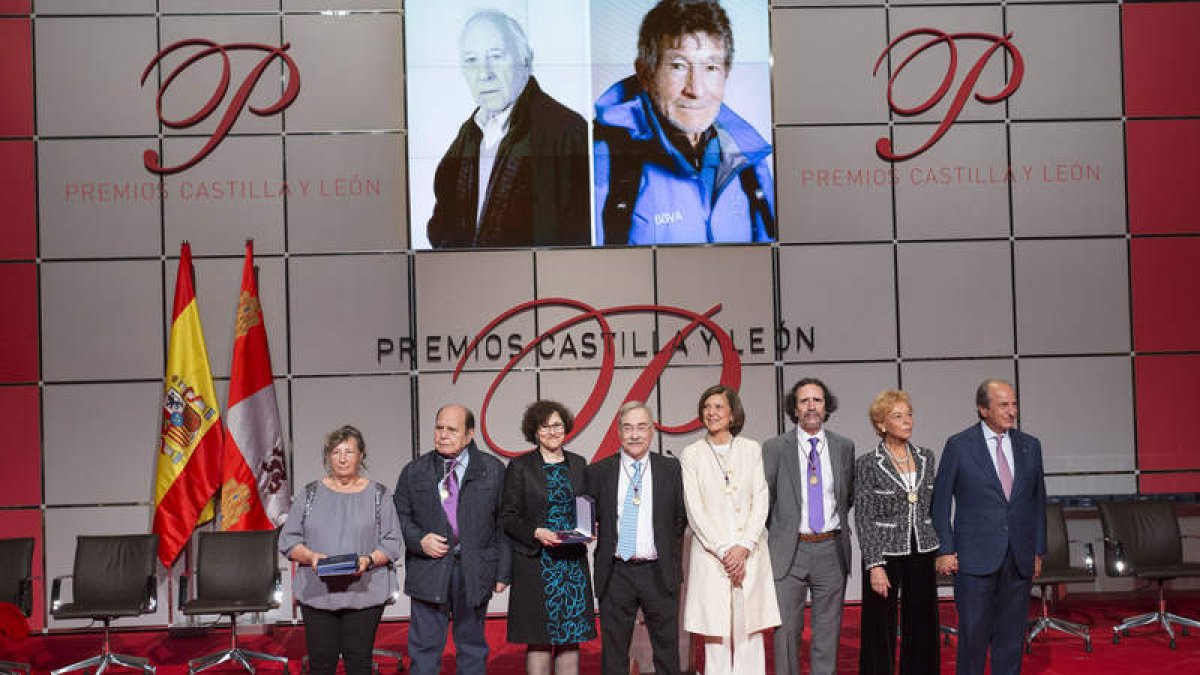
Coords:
992,474
810,472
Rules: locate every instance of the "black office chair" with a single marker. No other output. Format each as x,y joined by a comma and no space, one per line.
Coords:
16,585
1142,539
236,572
113,577
1057,569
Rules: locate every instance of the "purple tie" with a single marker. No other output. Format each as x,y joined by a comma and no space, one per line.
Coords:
1002,468
816,496
450,501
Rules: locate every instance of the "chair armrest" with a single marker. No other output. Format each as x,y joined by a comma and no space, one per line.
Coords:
1089,555
55,592
25,596
1089,558
184,583
150,603
1116,563
277,590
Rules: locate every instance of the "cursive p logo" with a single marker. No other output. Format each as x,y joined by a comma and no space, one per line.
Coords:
237,103
1001,44
731,365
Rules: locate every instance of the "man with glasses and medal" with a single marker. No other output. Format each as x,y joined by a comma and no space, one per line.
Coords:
455,553
641,518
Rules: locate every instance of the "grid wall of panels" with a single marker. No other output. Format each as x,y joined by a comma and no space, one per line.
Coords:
1078,290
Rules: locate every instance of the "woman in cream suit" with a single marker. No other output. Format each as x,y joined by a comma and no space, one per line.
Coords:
730,598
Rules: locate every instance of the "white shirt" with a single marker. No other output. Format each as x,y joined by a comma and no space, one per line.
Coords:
493,128
829,499
645,549
989,438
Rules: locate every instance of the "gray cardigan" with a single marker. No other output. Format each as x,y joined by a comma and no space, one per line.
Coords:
884,517
337,523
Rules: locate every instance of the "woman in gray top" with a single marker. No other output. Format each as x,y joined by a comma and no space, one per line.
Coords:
343,513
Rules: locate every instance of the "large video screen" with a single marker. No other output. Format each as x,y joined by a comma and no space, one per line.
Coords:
588,123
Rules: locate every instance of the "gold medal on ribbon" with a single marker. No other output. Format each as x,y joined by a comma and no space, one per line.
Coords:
812,480
912,497
637,501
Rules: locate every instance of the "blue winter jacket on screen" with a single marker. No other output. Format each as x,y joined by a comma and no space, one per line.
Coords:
674,204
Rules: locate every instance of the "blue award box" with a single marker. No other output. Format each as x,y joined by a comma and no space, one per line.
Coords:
338,565
585,519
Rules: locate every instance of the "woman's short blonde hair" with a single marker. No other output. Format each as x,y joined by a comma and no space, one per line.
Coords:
883,404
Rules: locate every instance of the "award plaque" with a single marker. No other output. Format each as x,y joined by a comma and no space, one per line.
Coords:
585,519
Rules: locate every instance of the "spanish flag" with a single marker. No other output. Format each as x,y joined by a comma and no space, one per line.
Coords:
189,455
254,484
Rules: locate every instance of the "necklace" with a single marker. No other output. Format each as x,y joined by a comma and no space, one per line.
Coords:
911,489
725,473
637,486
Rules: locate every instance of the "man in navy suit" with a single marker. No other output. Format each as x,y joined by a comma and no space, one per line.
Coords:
993,475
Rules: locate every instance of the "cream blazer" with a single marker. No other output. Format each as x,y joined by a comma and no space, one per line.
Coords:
719,520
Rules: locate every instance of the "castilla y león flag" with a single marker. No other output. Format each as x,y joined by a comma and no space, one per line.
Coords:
254,485
189,454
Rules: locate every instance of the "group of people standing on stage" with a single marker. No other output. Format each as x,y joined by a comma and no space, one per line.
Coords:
771,529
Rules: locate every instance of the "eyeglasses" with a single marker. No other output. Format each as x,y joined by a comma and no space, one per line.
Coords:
643,428
342,452
553,428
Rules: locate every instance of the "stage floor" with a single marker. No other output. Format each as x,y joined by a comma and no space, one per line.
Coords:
1144,651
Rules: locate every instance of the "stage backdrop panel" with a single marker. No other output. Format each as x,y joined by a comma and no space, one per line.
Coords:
1047,237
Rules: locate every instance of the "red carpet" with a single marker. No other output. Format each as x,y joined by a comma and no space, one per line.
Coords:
1145,651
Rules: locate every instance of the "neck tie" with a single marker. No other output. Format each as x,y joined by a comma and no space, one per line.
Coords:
627,529
816,495
450,494
1002,468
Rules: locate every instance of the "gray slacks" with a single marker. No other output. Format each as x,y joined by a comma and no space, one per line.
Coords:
816,569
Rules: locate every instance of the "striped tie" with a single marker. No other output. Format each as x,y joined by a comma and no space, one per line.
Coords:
627,529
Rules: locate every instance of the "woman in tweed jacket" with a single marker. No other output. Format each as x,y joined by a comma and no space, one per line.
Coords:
893,490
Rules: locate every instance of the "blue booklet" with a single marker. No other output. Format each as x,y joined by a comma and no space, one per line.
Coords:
338,565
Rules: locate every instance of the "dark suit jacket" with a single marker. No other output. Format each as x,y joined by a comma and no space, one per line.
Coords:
486,555
985,523
785,478
886,520
524,504
539,189
670,518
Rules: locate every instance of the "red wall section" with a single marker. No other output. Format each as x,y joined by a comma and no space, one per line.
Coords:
18,323
1162,64
28,523
21,479
1166,302
16,77
1169,483
18,226
1167,398
15,6
1163,158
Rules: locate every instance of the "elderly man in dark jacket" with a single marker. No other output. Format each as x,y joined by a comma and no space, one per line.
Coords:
455,554
517,173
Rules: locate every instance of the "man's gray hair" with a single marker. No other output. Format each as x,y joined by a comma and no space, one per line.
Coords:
630,406
983,394
512,30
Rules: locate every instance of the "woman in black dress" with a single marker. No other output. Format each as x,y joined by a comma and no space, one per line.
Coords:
550,605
